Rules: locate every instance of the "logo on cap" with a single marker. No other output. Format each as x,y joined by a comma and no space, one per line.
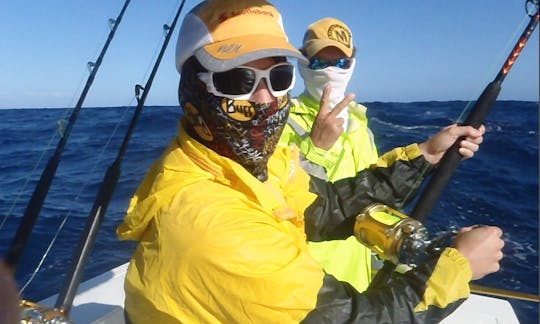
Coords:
340,34
247,11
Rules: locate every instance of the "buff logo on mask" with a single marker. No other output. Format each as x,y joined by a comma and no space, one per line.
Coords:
244,110
241,110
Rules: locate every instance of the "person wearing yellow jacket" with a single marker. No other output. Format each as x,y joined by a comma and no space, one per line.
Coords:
223,216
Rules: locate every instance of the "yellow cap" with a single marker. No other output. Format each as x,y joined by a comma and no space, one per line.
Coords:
325,33
224,34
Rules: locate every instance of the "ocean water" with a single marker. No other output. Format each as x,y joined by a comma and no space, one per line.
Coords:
499,186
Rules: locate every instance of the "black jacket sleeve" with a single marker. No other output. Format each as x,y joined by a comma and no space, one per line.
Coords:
332,215
404,299
339,302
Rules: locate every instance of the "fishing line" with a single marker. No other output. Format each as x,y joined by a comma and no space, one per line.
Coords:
496,63
60,227
98,162
99,159
42,259
451,158
26,181
39,194
107,187
156,50
495,66
475,118
59,129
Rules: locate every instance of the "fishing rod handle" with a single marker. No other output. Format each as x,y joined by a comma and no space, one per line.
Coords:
483,106
452,157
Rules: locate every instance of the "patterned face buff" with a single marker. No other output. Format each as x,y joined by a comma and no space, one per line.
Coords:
244,131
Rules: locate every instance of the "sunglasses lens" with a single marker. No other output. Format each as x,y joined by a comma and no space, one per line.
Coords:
281,77
237,81
316,63
343,63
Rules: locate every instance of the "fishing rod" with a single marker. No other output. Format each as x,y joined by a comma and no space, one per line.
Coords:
35,204
106,190
452,157
476,117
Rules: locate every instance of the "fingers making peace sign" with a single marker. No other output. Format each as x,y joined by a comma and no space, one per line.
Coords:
328,126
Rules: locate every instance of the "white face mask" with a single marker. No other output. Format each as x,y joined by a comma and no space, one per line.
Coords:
316,80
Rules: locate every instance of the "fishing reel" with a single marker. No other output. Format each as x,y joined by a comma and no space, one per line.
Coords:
35,313
396,237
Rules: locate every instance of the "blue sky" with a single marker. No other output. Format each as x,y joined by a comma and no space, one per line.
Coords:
407,50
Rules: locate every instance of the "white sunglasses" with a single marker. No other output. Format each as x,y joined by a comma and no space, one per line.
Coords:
240,83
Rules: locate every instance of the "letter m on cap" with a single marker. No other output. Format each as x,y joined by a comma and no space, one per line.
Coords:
340,34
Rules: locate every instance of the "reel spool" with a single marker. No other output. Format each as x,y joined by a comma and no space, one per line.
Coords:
391,234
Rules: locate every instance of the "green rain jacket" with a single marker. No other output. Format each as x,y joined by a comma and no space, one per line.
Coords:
218,246
354,151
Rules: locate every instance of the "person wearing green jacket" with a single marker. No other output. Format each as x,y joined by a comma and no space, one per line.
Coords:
332,148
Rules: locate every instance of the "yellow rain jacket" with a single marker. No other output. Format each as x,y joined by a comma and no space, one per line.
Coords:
218,246
354,151
203,222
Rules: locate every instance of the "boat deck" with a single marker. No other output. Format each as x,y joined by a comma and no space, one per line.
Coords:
101,300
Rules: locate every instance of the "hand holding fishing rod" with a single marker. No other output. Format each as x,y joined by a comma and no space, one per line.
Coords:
452,157
434,148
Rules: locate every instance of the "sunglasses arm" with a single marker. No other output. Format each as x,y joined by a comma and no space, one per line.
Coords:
206,77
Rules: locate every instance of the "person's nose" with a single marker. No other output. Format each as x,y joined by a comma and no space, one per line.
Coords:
262,94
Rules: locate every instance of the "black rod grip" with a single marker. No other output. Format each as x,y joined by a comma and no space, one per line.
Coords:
451,158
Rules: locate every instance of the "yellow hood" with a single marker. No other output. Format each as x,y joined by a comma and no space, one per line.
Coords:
213,239
186,162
